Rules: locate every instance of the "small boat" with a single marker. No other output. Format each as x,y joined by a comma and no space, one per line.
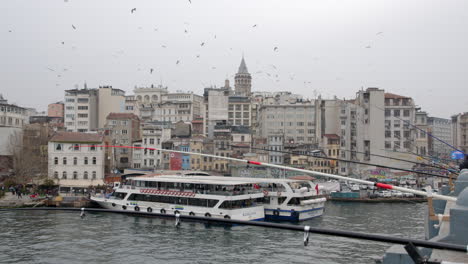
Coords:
291,200
209,196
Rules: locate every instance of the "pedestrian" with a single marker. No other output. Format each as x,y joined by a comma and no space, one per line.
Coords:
18,192
464,164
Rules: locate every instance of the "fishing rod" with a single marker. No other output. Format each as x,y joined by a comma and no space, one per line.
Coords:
390,150
300,228
425,132
377,184
350,161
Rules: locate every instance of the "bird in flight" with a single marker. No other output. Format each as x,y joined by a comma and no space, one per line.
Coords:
202,44
177,62
73,26
133,10
368,47
275,49
198,56
151,71
50,69
254,25
164,46
63,42
378,33
185,31
190,1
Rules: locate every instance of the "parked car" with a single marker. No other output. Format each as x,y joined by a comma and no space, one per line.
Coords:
408,195
384,194
397,194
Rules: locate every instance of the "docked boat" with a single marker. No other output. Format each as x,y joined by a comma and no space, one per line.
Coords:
291,200
209,196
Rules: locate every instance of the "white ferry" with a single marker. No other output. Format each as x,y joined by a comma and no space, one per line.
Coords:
209,196
290,200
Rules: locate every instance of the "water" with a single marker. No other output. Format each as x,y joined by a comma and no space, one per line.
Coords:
63,237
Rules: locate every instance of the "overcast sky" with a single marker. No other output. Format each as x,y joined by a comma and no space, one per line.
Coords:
414,48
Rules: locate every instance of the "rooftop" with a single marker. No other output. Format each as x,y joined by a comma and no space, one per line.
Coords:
395,96
122,116
76,137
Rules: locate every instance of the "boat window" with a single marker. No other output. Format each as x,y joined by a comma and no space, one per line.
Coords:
263,200
173,200
281,199
238,204
118,195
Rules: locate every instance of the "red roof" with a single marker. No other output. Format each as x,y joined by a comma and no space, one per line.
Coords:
122,116
76,137
394,96
331,136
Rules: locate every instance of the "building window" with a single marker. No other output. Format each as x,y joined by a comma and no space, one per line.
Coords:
64,175
124,132
85,175
76,147
75,175
85,162
396,112
56,161
94,175
151,141
55,175
94,160
406,112
388,144
93,148
58,147
136,165
388,133
75,161
387,112
64,161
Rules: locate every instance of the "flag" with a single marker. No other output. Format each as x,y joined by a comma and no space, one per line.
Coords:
317,188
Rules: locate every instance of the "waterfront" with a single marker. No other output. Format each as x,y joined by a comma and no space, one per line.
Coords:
63,237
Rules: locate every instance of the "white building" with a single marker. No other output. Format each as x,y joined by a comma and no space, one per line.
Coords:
86,109
152,137
74,159
442,129
460,131
157,104
12,120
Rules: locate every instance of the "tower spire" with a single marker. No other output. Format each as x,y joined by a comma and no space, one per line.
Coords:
243,67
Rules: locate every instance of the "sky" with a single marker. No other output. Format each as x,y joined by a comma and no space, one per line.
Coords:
416,48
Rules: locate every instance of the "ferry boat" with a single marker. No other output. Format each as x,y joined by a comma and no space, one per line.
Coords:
291,200
209,196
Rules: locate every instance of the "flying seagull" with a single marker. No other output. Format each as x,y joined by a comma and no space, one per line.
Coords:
254,25
73,26
63,42
190,1
185,31
151,71
50,69
378,33
202,44
164,46
275,49
198,56
133,10
368,47
177,62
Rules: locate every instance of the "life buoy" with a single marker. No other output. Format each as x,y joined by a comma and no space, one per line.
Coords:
137,208
276,213
207,215
113,204
163,211
192,213
176,212
124,207
227,217
149,210
265,192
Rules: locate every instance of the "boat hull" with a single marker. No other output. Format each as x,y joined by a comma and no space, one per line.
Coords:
246,214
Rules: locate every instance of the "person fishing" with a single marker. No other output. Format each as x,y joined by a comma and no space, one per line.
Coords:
464,164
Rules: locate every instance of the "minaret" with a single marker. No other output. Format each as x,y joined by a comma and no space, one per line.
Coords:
243,80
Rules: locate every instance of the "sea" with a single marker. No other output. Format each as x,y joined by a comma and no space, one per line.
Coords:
65,237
